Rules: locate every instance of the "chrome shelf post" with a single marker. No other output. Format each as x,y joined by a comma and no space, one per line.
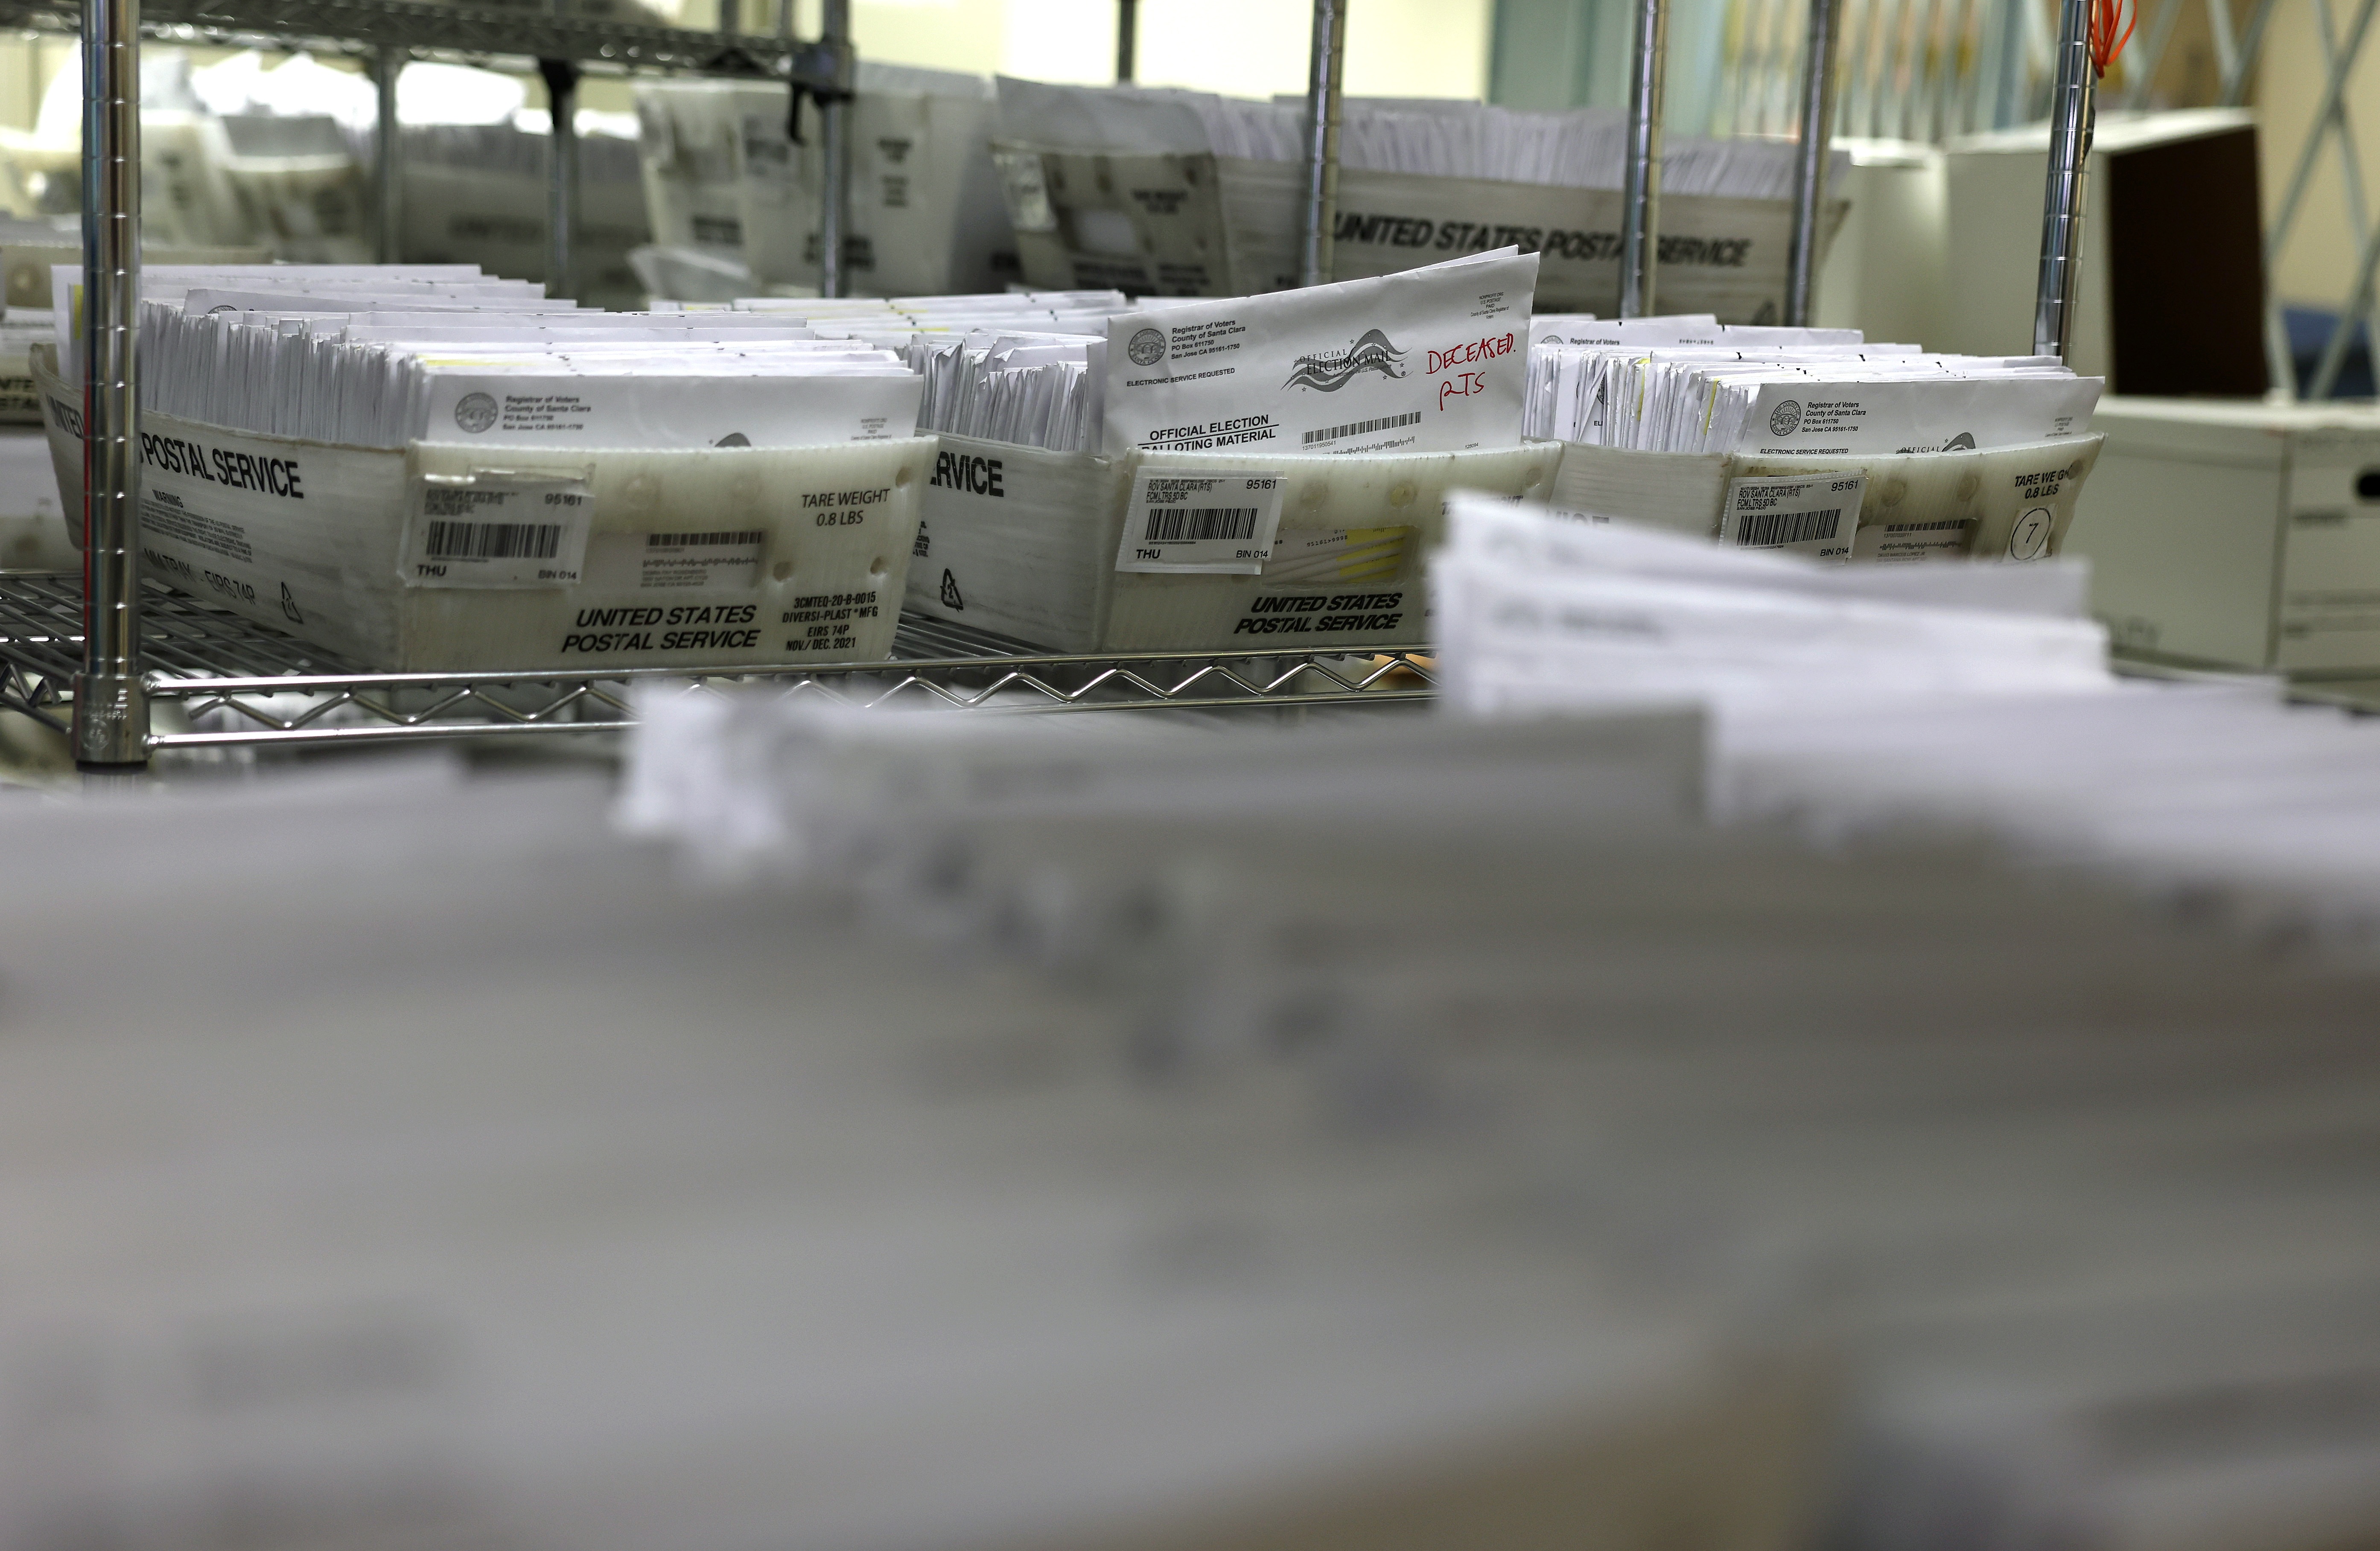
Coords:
111,713
1326,70
1640,213
2072,110
1811,159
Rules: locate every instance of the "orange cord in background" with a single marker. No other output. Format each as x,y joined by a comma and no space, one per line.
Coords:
2106,41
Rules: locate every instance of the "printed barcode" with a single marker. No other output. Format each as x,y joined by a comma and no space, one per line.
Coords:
1766,529
1363,428
1925,526
702,541
495,540
1174,523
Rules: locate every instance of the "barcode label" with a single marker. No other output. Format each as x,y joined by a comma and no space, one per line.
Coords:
1185,521
1813,515
703,540
1363,428
726,561
1938,539
1768,530
1197,524
493,540
492,530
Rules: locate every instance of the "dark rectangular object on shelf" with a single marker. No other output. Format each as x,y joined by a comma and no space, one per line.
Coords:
2185,297
2170,300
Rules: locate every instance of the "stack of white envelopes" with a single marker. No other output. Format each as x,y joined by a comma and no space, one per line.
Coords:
1812,440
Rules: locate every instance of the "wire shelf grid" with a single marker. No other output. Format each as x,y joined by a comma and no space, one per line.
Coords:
238,683
473,33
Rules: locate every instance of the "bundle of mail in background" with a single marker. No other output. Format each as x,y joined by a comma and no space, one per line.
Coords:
1578,148
238,154
733,197
1696,385
1183,193
387,359
1874,449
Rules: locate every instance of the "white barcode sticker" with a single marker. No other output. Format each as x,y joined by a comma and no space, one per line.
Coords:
725,560
510,530
1938,539
1359,427
1200,524
1814,515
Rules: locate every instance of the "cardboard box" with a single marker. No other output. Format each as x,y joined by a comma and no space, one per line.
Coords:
2009,503
1023,543
2238,535
1203,226
709,557
2170,205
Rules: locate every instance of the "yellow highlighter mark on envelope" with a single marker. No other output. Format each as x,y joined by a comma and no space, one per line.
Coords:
1325,557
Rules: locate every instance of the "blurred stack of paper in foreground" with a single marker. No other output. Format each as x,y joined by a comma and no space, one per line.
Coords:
1415,1131
1950,699
2069,1187
534,1206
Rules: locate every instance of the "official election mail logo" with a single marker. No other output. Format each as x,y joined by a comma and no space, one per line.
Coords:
1962,442
1784,418
476,413
1332,370
1147,347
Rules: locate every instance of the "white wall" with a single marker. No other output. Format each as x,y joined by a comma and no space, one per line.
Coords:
1395,48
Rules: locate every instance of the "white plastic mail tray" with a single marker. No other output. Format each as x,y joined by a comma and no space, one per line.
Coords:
440,559
1024,543
2009,502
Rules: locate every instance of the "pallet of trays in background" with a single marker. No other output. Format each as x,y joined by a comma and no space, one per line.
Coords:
218,680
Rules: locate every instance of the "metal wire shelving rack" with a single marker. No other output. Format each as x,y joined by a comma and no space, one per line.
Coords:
98,668
92,667
238,684
475,31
